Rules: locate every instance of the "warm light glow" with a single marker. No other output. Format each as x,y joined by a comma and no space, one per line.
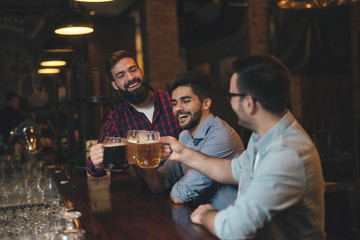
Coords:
94,0
48,70
54,63
74,30
64,50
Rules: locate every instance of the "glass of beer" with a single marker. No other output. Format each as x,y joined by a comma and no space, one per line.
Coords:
148,149
115,154
131,145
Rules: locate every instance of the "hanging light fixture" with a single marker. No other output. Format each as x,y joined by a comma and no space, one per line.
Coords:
73,22
48,70
53,63
307,4
94,0
53,60
58,44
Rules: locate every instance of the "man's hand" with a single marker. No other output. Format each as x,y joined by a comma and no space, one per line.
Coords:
171,148
199,214
97,156
205,216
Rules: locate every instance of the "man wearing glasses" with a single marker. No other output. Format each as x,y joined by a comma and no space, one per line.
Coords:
281,187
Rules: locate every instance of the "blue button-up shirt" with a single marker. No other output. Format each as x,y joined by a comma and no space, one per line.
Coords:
214,138
283,197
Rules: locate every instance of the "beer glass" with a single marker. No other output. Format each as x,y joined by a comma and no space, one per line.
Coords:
131,145
148,149
115,154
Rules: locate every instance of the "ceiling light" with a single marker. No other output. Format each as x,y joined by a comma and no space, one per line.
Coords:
53,63
306,4
58,44
94,0
48,70
73,22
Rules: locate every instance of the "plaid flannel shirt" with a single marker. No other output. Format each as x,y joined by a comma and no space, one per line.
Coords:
125,117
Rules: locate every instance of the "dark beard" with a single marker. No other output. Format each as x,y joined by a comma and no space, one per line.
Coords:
195,119
138,96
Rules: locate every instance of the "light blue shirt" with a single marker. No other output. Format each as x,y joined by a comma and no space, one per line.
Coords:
283,198
214,138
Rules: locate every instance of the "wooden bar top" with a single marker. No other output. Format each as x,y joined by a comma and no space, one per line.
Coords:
120,206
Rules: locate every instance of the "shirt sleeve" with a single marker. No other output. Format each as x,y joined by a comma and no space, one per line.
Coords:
277,184
219,143
171,172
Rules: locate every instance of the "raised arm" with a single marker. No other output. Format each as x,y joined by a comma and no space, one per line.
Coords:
215,168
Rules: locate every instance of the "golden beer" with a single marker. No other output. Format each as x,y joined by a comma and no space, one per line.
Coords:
131,150
148,154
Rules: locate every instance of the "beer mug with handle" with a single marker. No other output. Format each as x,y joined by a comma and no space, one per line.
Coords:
115,154
148,153
131,145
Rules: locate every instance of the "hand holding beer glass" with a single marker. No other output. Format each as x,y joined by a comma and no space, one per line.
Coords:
115,154
144,147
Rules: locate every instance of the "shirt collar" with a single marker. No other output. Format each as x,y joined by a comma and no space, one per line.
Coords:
201,132
274,132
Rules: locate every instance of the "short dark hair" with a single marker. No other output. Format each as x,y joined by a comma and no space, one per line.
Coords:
10,95
115,57
198,81
265,78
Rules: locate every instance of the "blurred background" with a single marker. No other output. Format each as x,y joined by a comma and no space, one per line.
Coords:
318,40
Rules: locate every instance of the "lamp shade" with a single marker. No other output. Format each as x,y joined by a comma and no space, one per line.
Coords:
94,1
73,22
48,70
53,63
56,44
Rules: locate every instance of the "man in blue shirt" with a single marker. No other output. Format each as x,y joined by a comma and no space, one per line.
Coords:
281,187
191,99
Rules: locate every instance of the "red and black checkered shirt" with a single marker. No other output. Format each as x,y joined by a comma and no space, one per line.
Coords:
125,117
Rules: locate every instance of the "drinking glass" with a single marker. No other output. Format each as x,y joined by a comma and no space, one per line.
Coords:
131,145
115,154
148,149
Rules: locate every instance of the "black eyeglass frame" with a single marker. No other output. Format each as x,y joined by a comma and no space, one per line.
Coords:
228,95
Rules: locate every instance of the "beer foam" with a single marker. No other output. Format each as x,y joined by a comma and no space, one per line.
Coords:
114,144
148,141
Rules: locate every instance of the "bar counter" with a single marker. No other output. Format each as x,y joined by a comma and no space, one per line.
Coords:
120,206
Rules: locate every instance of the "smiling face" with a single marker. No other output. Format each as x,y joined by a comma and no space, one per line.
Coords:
127,75
187,108
129,80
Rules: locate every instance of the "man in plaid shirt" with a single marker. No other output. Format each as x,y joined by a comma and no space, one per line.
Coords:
143,109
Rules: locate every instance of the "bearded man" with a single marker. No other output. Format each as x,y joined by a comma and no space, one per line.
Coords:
201,131
143,109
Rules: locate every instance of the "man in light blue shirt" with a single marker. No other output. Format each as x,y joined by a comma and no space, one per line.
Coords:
201,131
281,187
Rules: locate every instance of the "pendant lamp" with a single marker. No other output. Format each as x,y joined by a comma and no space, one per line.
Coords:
53,60
94,0
48,70
58,44
73,22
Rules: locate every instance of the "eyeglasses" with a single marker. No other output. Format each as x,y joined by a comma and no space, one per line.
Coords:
228,96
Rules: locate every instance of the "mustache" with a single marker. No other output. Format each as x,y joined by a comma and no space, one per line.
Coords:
136,80
182,112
